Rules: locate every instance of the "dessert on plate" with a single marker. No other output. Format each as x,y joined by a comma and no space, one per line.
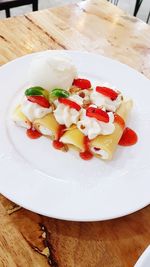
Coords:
72,111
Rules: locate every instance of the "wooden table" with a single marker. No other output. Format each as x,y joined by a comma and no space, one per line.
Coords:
28,239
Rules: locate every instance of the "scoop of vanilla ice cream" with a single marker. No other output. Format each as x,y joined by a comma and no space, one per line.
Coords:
50,72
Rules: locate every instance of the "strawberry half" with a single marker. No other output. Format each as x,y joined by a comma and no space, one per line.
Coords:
98,114
69,103
82,83
107,92
129,138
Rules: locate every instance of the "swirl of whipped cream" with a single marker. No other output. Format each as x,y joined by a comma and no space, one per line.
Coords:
103,101
33,111
92,127
76,98
66,115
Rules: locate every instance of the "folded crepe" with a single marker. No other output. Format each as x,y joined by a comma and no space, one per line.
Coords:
103,146
47,125
108,143
73,137
20,119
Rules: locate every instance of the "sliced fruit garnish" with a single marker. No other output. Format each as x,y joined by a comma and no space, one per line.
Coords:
107,92
69,103
129,138
40,100
82,83
98,114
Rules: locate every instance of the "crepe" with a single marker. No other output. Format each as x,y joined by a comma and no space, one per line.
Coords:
73,137
47,125
107,144
20,119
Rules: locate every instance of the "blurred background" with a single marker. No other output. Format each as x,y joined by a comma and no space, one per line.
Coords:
126,5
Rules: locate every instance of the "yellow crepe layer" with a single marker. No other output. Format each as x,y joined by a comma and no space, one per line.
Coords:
49,123
109,143
73,136
20,119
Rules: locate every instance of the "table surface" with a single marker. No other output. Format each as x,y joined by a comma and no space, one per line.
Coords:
28,239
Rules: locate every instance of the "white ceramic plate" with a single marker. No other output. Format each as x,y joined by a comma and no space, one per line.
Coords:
144,260
61,185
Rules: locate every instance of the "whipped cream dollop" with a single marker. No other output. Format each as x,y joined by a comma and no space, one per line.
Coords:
92,127
32,110
76,98
66,115
51,71
103,101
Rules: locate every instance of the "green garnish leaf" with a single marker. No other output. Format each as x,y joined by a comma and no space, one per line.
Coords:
56,93
37,90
